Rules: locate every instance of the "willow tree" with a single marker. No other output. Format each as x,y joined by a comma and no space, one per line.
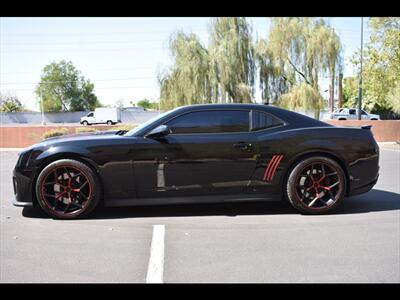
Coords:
187,80
273,82
232,65
299,50
325,54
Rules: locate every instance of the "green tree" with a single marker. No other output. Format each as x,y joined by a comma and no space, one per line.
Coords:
186,82
350,92
222,73
394,99
232,60
381,63
302,95
296,51
146,104
63,88
10,103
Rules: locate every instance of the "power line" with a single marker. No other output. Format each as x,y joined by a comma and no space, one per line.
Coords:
103,69
67,81
81,50
80,42
104,33
96,88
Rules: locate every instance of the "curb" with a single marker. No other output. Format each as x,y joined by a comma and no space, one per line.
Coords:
11,149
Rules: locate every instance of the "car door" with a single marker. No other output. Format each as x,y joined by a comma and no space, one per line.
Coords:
90,118
208,152
352,114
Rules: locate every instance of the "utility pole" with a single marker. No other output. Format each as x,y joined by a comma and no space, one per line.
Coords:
340,91
42,106
360,81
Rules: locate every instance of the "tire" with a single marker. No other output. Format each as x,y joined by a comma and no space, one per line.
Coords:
316,185
342,119
85,123
67,189
109,123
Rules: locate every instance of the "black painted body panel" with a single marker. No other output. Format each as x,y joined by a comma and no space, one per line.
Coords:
134,169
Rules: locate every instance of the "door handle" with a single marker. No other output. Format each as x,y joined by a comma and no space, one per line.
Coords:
243,146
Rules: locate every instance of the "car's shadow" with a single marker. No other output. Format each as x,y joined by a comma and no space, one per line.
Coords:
373,201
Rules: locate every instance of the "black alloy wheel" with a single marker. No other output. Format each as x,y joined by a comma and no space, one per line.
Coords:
67,189
316,185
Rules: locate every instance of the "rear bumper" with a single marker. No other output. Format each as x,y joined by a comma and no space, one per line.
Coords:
363,189
364,174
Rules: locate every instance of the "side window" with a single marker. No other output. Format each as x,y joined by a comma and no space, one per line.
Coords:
215,121
352,111
363,112
260,120
90,115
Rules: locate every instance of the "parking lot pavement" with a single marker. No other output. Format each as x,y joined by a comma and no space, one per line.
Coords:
246,242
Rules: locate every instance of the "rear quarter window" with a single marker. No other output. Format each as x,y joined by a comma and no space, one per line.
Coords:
261,120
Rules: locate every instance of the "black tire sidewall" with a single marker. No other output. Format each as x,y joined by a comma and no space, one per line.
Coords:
290,187
93,180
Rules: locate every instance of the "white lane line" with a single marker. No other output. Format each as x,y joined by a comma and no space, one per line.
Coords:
156,262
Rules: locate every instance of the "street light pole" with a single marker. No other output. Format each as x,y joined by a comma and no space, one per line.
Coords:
360,81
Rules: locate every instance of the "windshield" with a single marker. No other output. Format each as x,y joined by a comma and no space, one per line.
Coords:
148,122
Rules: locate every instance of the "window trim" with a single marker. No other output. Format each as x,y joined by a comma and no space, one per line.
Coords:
214,109
249,110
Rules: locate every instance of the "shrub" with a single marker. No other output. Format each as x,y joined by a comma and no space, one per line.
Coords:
84,129
123,127
55,132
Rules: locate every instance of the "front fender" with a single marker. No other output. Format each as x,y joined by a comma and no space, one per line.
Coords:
39,159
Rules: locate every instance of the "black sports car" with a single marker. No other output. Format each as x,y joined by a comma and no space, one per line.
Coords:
201,153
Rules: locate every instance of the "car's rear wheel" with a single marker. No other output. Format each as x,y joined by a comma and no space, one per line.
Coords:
67,189
109,123
316,185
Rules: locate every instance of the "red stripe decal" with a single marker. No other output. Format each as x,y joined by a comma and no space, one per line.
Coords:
272,167
269,178
271,162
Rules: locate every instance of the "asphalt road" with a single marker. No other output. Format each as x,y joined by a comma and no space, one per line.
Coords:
248,242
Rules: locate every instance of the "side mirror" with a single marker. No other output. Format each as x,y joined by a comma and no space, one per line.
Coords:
159,131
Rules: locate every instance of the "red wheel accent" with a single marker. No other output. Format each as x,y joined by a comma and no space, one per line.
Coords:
318,185
66,190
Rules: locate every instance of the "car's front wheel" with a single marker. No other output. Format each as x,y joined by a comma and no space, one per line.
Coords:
67,189
316,185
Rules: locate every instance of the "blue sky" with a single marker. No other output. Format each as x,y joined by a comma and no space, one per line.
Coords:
121,56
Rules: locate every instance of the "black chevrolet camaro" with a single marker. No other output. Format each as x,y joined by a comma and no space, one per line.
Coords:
201,153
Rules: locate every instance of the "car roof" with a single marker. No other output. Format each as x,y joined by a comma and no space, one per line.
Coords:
284,114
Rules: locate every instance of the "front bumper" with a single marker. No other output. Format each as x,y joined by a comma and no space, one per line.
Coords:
21,204
23,193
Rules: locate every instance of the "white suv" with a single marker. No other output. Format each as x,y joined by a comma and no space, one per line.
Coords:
351,114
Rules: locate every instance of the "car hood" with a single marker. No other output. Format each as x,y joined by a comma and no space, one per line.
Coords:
79,137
